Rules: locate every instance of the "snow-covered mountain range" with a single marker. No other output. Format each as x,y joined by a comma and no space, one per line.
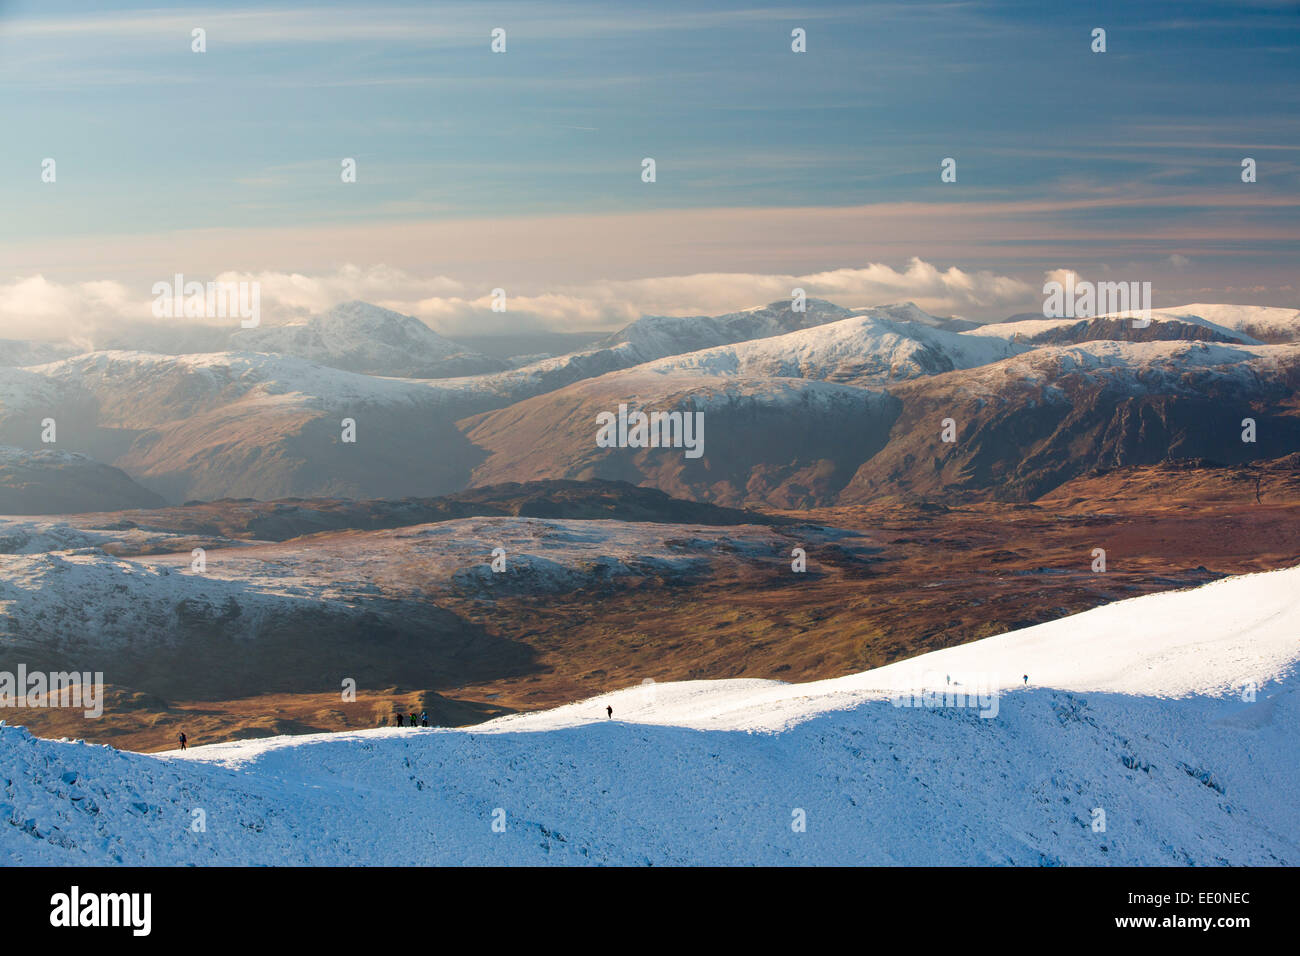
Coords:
804,408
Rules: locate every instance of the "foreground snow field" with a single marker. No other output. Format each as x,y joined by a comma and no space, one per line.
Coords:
1135,709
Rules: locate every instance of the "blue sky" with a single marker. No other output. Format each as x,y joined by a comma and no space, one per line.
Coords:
1066,158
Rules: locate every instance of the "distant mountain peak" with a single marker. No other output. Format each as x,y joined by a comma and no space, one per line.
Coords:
657,336
911,312
359,336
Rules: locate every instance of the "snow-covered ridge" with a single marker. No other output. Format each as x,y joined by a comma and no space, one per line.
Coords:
1260,321
911,312
1027,329
1175,714
190,382
361,337
865,349
1166,367
1244,632
650,389
654,336
1251,324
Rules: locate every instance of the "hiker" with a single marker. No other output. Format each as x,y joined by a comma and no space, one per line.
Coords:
609,711
1026,680
413,723
182,739
424,718
399,718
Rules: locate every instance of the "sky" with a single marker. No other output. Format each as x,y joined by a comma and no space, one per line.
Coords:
523,169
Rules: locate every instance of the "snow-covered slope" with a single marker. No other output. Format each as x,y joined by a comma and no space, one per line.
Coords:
647,340
1031,416
671,343
361,337
1249,324
1031,422
165,388
1164,324
1143,367
248,424
1134,709
1245,633
654,336
863,350
911,312
1265,323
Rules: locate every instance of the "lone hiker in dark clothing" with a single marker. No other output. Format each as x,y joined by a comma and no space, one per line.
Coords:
424,718
182,740
609,711
399,718
1026,679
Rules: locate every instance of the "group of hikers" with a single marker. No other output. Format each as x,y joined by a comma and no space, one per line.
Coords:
421,721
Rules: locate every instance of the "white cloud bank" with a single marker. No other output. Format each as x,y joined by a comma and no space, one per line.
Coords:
91,313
